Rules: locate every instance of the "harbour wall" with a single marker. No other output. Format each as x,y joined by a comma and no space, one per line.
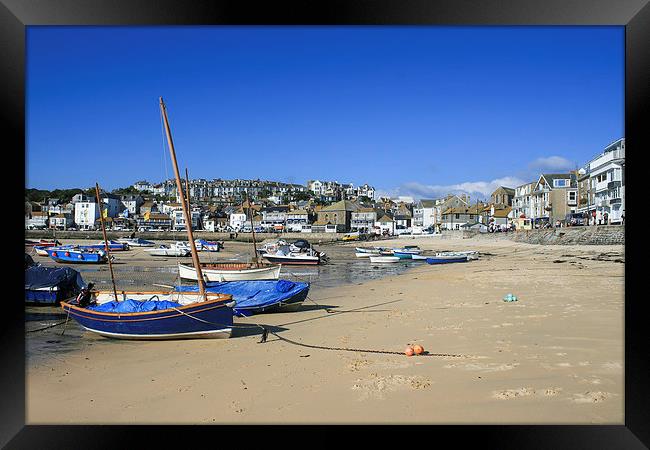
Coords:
589,235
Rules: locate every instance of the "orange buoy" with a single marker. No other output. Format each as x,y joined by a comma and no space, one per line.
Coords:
67,253
409,351
418,349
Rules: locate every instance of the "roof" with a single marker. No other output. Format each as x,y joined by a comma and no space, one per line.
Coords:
385,218
343,205
427,203
506,189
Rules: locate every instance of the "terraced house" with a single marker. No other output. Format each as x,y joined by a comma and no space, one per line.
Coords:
554,196
607,175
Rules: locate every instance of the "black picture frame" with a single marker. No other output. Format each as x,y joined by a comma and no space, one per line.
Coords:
15,15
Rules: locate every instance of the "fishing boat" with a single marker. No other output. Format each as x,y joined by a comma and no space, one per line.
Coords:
364,254
254,297
175,249
136,242
420,257
77,256
384,259
311,257
49,285
446,259
41,243
42,251
153,314
232,271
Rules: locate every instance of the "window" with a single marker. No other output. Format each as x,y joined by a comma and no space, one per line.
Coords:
560,183
457,216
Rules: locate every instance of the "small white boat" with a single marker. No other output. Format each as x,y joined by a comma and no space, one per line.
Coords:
420,257
364,255
407,251
471,254
293,258
176,249
384,259
235,271
369,251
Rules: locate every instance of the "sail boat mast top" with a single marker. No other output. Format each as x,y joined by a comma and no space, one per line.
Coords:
186,214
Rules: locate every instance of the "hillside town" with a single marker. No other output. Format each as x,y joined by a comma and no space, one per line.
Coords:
592,195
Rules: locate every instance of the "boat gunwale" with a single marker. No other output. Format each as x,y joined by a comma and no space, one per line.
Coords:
222,298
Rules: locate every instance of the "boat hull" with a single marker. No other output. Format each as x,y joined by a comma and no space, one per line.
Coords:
446,260
384,259
167,252
210,319
293,261
75,257
271,272
254,297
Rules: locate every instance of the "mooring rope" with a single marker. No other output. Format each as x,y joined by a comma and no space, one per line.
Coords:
47,327
266,332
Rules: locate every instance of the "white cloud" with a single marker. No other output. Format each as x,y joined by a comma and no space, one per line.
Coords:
481,189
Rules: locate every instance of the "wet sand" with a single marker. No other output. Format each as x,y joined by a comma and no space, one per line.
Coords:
554,356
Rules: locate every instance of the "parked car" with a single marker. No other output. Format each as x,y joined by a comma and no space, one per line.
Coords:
575,220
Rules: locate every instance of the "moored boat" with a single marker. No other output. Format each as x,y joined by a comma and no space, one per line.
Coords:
293,258
231,271
253,297
384,259
471,254
364,255
77,256
176,249
155,315
49,285
446,259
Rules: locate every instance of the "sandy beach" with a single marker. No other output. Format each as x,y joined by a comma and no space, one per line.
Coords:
555,356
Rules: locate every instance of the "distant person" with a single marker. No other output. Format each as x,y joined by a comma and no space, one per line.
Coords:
623,218
606,219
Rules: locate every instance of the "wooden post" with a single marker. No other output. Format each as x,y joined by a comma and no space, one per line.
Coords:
108,253
188,222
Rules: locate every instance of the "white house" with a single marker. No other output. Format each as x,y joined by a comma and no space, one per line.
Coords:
237,219
522,201
61,221
132,203
36,220
297,220
607,176
85,214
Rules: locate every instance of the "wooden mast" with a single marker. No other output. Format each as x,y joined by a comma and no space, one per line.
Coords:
108,252
250,211
186,214
187,189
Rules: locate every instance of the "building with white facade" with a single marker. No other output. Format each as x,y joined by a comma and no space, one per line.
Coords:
607,177
85,214
522,200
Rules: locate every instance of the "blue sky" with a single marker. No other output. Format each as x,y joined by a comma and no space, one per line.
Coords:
411,110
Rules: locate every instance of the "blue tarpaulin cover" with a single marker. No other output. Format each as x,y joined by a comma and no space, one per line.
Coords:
135,306
253,295
37,277
67,281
